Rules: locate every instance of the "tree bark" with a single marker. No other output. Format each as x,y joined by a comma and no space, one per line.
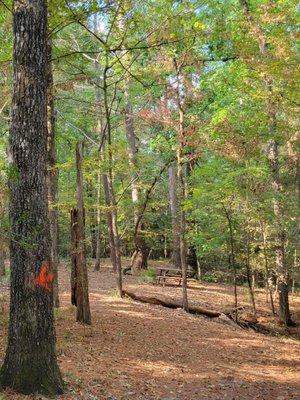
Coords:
182,241
141,252
108,185
250,278
267,269
104,131
101,156
232,259
109,217
30,364
115,233
281,267
2,263
293,273
181,173
93,232
93,221
98,238
52,178
79,276
174,216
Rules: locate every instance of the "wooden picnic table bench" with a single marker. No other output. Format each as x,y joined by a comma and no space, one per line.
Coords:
164,273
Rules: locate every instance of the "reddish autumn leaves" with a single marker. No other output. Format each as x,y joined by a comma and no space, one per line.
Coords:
44,278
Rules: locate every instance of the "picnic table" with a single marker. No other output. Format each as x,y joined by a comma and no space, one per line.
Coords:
164,273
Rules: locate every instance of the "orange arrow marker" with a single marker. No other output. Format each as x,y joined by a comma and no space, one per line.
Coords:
45,278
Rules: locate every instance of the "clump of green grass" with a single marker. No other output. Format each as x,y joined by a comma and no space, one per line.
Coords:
148,275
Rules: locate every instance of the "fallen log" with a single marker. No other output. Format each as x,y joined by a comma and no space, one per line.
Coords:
226,316
246,322
169,303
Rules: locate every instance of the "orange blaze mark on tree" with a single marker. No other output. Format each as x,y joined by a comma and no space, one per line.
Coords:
44,278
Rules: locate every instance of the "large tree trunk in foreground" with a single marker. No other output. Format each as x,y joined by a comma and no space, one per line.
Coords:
174,216
79,276
141,252
281,267
30,364
52,182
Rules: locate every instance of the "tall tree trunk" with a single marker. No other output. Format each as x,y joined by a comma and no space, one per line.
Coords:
79,277
109,217
250,278
2,263
108,185
267,269
98,238
141,252
115,233
282,270
281,267
232,259
298,202
183,246
174,216
293,273
182,172
101,156
52,178
30,364
93,220
103,133
93,232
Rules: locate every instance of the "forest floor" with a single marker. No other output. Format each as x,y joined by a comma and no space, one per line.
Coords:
136,351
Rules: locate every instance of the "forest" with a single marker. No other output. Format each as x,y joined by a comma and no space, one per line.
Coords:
150,199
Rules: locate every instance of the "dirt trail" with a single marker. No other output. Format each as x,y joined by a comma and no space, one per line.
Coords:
136,351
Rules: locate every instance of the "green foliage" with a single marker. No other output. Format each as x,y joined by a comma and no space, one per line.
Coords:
222,85
148,275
